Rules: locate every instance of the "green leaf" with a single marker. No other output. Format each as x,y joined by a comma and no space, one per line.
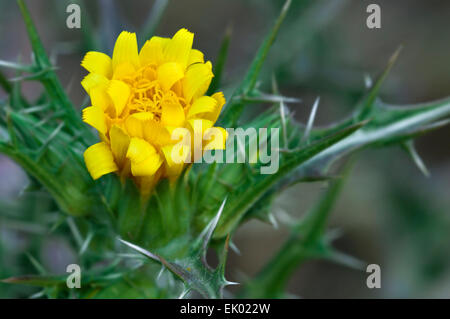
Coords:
306,241
49,79
367,103
220,63
243,199
36,280
234,109
389,124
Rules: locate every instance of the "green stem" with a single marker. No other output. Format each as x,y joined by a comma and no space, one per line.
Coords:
305,241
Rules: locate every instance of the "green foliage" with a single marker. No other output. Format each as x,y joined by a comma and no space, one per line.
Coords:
134,239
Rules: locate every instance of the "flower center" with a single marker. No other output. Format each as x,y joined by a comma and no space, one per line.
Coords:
147,94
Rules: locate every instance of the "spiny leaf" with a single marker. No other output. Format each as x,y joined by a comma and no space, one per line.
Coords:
252,74
389,125
306,241
367,103
190,270
245,199
36,264
233,110
220,63
50,81
36,280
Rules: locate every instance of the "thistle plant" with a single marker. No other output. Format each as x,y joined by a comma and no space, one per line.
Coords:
140,100
141,222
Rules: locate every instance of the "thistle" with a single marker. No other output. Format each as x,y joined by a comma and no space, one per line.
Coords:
154,246
140,99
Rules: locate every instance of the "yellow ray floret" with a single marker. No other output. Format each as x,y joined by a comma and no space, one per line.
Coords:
139,100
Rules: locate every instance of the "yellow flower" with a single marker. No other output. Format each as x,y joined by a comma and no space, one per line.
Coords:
139,98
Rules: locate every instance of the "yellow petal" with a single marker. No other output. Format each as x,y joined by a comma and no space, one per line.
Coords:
119,92
152,51
119,144
174,161
143,116
144,158
124,70
135,123
197,80
99,97
168,74
92,80
179,48
156,133
199,126
99,160
139,150
125,50
220,103
204,104
196,56
94,116
215,138
97,62
172,115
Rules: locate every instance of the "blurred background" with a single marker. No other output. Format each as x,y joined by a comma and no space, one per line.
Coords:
389,213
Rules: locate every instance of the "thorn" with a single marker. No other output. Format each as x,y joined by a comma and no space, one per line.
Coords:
36,108
273,220
367,103
268,98
209,229
45,145
234,248
184,293
368,82
160,273
410,148
33,76
430,127
345,260
230,283
75,232
333,234
38,294
282,113
16,66
394,56
141,250
36,264
310,120
86,243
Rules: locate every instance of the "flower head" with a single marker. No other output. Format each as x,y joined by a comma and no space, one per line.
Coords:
140,98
